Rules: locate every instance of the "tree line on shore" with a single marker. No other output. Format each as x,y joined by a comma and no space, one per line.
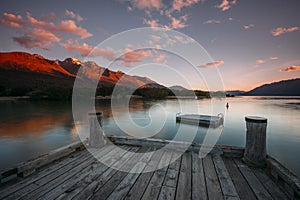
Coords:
65,94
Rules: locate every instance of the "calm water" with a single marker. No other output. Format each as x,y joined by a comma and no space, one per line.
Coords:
29,129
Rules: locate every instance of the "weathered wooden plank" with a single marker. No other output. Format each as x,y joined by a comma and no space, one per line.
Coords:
199,191
254,183
153,188
42,186
122,189
29,167
269,184
226,183
140,185
212,182
84,176
114,181
167,193
5,191
184,186
39,182
86,190
284,178
243,189
175,145
173,170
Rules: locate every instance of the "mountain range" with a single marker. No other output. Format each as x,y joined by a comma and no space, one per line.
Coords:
289,87
23,73
34,72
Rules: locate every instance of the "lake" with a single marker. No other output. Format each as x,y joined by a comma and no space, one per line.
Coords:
29,129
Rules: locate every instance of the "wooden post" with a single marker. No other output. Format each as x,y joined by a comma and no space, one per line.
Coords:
255,150
96,132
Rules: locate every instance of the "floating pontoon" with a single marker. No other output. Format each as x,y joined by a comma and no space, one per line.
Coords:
200,120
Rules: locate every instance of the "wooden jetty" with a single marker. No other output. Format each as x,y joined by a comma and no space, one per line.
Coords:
201,120
73,173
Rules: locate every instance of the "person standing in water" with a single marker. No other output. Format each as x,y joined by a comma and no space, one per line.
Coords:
227,105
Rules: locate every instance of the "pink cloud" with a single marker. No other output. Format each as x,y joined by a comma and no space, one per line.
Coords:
134,56
178,23
28,42
291,68
73,15
37,38
179,4
147,4
44,37
69,26
151,23
258,62
12,20
86,50
212,64
280,30
273,58
39,23
159,58
66,26
226,4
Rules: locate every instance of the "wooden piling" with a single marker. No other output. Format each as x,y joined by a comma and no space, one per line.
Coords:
96,132
255,150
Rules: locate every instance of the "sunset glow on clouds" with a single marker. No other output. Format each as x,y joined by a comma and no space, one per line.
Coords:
236,31
291,68
280,30
212,64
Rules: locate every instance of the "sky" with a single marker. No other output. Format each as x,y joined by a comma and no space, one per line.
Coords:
249,43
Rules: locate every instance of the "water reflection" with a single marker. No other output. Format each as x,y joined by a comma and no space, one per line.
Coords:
28,129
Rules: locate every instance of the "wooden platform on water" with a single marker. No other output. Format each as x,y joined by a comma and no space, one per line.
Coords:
217,176
201,120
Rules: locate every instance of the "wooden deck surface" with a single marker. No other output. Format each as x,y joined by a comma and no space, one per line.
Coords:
81,176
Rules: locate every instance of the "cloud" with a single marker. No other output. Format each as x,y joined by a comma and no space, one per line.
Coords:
151,23
155,38
28,42
258,62
248,26
291,68
37,38
147,4
212,64
226,4
212,21
273,58
178,23
184,40
159,58
69,26
86,50
262,61
134,56
64,26
73,15
12,20
280,30
49,16
177,5
44,37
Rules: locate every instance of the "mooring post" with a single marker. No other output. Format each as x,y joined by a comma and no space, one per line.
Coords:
96,132
255,150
